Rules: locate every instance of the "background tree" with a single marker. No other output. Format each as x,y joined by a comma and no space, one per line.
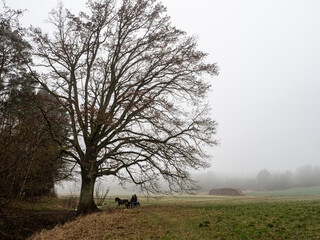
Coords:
307,176
133,88
14,50
265,180
30,161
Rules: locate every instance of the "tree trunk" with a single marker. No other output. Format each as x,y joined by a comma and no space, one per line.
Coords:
86,202
25,180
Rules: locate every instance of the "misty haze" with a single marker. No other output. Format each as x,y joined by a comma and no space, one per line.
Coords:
159,119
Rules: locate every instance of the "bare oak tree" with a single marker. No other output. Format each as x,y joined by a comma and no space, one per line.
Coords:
133,88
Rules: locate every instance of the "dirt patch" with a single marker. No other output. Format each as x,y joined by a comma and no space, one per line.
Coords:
20,224
226,192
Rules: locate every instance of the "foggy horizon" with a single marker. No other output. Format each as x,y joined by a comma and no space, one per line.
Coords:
265,97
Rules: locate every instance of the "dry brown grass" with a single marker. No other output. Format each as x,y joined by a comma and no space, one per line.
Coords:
113,224
95,226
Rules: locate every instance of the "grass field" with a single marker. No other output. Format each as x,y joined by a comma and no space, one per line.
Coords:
199,217
292,192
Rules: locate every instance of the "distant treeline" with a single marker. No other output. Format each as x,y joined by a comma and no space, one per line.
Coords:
305,176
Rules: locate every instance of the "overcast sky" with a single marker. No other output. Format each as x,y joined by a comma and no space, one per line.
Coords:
266,98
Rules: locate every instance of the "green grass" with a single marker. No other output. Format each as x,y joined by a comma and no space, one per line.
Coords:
233,219
293,192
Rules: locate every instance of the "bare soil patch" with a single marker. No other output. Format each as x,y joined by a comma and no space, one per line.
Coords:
226,192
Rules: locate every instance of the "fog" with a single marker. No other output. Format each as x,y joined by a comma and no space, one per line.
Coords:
264,180
265,98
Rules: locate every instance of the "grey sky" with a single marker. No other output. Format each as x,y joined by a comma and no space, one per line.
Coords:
266,98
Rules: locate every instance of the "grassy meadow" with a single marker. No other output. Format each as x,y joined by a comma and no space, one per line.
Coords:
292,192
199,217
